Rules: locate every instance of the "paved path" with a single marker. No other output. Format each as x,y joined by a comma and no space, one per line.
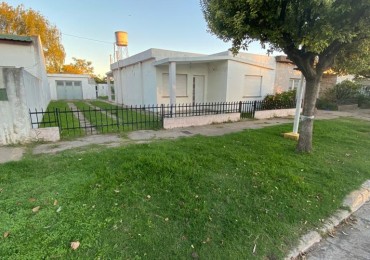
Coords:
351,240
89,129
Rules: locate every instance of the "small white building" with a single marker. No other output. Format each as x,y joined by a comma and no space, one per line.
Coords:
72,86
161,77
23,86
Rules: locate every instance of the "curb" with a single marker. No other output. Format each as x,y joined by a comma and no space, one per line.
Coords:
353,201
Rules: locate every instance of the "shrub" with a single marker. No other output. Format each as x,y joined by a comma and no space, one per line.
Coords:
326,104
279,100
344,93
364,101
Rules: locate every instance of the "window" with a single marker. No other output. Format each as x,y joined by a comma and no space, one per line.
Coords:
3,93
60,83
68,83
181,85
252,86
294,83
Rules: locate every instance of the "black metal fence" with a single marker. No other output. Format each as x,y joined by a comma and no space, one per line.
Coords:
80,121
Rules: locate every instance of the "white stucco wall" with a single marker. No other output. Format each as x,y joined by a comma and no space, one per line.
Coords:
217,81
15,124
88,90
238,70
102,90
190,70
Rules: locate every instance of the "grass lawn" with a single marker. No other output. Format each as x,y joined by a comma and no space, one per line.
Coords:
66,119
131,118
212,197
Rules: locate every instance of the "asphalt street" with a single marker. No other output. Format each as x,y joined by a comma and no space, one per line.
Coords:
350,240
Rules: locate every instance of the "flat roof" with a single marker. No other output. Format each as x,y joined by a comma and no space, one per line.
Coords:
206,59
16,38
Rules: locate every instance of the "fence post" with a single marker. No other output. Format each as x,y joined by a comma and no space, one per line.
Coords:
162,114
240,107
254,108
56,112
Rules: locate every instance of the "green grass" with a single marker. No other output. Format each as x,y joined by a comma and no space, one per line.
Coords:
217,197
66,119
131,119
100,119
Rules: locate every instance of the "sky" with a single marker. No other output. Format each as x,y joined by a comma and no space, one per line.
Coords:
165,24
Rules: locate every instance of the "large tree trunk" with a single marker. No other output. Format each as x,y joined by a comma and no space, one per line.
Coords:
307,118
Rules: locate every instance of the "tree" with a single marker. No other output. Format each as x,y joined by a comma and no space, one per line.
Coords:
28,22
311,33
356,62
79,66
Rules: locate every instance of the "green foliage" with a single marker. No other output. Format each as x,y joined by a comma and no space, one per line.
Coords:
285,96
346,92
325,104
216,197
356,61
21,21
364,101
280,100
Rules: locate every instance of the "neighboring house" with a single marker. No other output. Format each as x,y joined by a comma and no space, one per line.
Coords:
287,77
329,80
72,86
145,77
23,85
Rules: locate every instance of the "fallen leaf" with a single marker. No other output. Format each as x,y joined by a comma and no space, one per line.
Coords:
31,199
6,234
116,191
59,209
55,202
148,196
1,190
75,245
254,248
35,209
166,219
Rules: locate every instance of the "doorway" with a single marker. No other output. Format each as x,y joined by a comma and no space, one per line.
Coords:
198,89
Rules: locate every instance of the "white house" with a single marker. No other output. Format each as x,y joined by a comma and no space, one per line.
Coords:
23,85
72,86
161,77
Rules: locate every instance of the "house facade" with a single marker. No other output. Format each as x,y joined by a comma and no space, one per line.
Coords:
23,86
162,77
72,86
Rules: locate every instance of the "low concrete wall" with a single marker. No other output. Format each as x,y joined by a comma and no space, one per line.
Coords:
49,134
274,113
169,123
347,107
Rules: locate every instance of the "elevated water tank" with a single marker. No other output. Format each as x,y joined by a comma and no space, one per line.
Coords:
121,38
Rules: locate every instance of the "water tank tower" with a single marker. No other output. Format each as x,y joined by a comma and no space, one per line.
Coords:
121,43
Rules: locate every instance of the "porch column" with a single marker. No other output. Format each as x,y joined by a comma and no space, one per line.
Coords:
172,82
109,89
